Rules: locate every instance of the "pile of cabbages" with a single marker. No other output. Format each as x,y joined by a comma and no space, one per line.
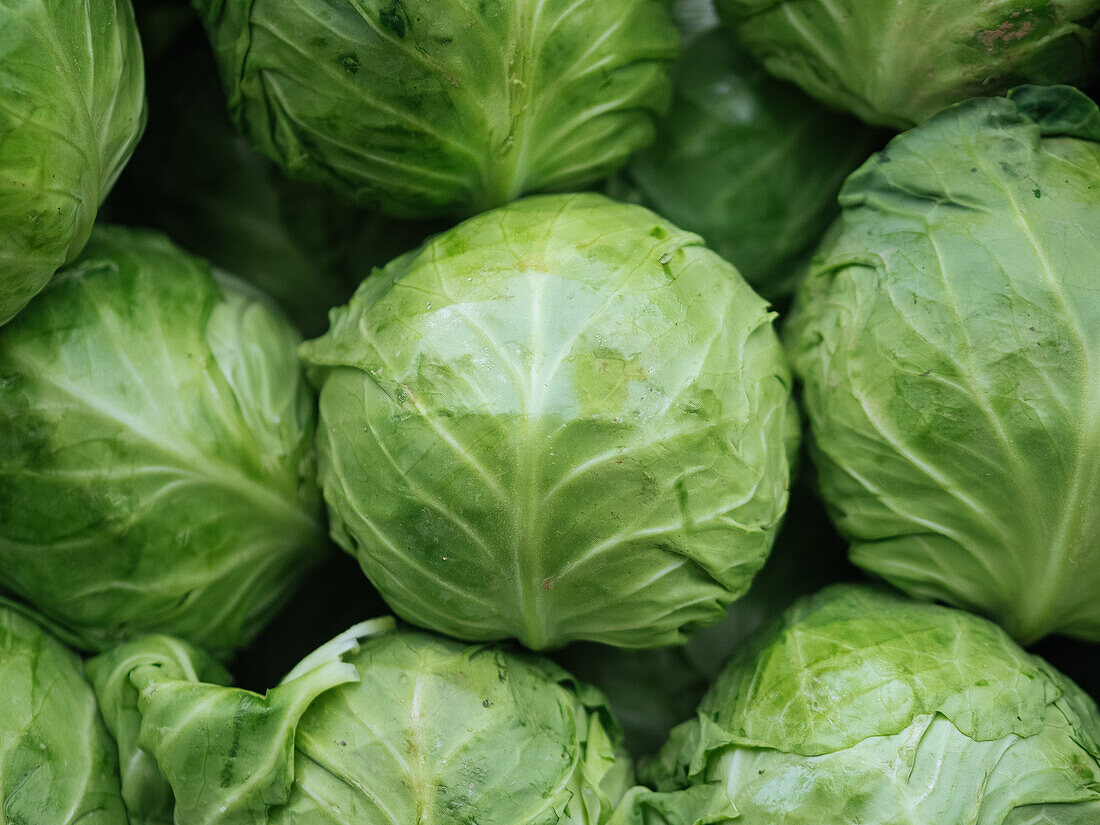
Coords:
551,412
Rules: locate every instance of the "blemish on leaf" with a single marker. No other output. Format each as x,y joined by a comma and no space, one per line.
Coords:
393,18
682,501
350,63
1010,30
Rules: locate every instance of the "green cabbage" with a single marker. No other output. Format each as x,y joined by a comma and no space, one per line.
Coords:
948,339
565,419
863,708
376,727
58,766
72,107
421,108
895,63
156,458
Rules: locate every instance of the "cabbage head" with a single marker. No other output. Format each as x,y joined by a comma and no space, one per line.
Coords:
747,161
948,340
72,107
377,727
156,467
421,108
564,419
895,63
58,765
859,706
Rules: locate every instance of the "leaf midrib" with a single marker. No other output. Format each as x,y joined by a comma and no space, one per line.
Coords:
1088,435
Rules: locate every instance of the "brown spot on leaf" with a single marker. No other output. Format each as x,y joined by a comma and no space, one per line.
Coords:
1005,33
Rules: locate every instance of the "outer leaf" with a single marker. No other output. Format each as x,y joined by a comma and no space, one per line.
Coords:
860,707
200,752
147,794
698,805
565,419
896,63
57,766
419,108
379,728
72,106
949,341
747,161
154,437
